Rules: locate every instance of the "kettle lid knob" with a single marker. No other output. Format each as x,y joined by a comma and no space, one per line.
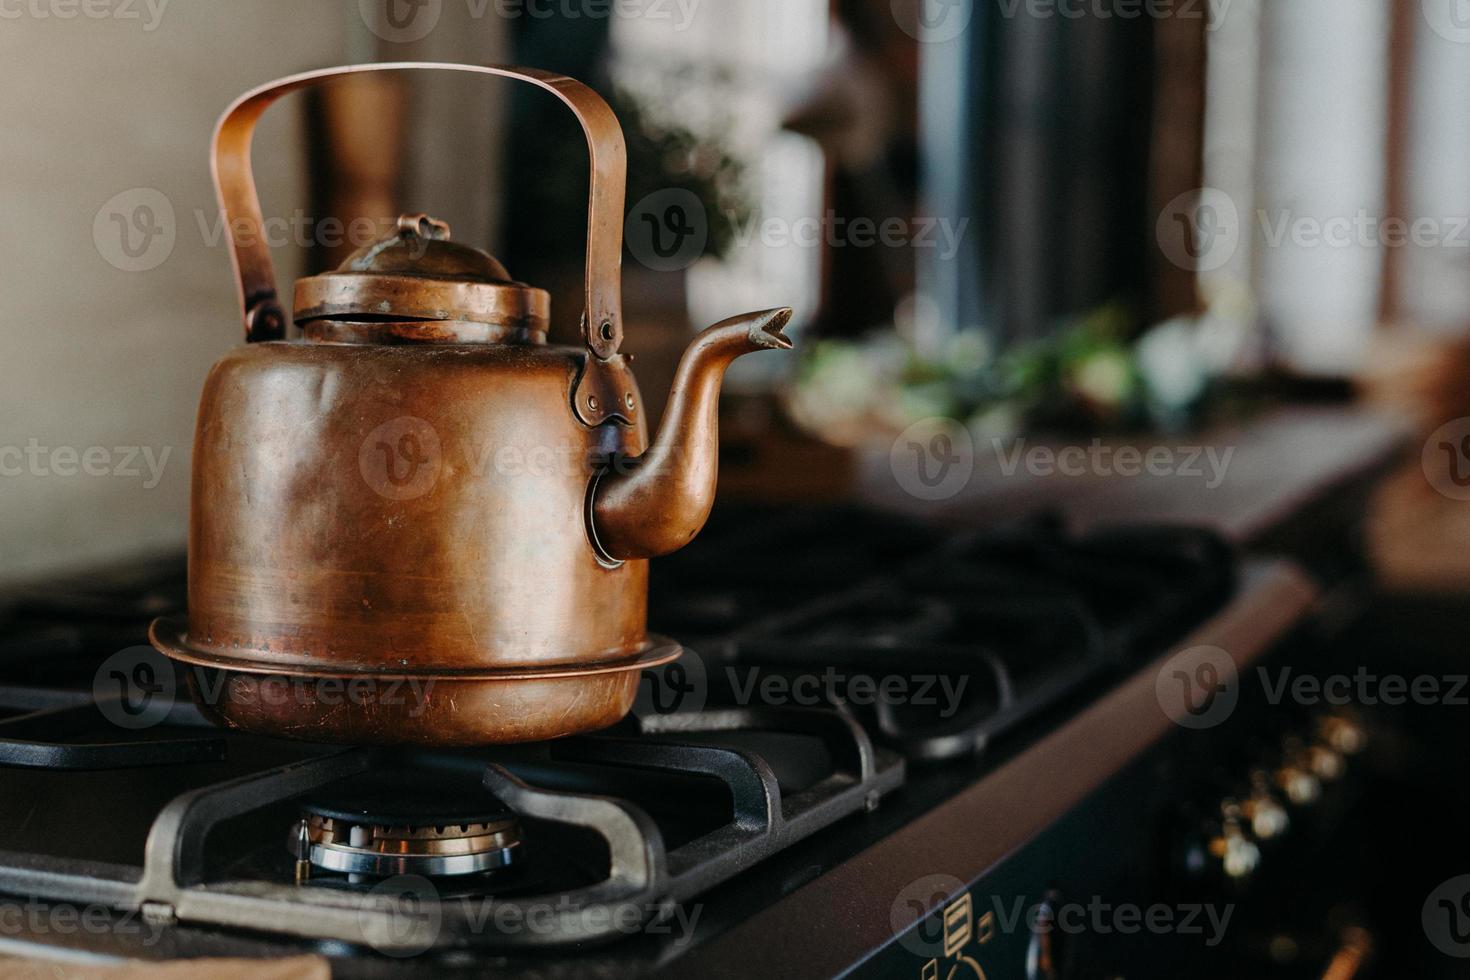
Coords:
422,225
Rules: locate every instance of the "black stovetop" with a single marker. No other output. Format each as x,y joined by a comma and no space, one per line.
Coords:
846,672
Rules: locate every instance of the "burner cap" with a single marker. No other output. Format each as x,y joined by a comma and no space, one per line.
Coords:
430,823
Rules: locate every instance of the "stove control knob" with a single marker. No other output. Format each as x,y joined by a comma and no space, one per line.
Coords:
1239,856
1326,763
1296,778
1266,816
1343,734
1301,787
1046,955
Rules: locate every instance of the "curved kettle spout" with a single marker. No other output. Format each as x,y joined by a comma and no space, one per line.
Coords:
655,503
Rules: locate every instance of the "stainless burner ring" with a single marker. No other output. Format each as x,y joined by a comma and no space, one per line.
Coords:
367,849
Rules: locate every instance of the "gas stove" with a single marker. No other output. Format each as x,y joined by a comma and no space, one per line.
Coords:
865,702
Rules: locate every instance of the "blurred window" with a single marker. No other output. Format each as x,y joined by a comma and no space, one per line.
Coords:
728,76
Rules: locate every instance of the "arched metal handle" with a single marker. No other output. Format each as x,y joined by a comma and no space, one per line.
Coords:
265,319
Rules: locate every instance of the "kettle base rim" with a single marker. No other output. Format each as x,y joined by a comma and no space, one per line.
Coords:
434,709
169,636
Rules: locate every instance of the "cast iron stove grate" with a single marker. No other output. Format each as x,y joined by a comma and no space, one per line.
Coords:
57,698
936,645
214,855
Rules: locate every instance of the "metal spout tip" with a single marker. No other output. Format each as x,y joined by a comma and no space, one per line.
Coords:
766,327
659,503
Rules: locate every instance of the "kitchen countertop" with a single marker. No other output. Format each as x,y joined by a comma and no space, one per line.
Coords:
1243,481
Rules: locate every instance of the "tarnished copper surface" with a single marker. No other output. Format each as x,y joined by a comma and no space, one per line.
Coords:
250,249
657,503
419,274
423,491
456,713
381,507
417,332
334,296
463,708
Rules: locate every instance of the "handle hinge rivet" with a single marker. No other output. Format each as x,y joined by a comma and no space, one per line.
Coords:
592,402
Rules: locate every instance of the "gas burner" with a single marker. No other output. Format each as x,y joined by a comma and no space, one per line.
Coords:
382,851
405,822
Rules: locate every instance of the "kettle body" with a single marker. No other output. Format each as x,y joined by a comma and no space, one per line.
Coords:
420,523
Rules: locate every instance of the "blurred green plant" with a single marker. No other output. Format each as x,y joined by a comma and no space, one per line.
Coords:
672,143
665,155
1087,377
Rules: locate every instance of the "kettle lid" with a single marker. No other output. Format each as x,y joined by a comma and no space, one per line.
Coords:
418,275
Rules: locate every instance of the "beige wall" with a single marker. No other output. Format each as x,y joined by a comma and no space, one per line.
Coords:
92,355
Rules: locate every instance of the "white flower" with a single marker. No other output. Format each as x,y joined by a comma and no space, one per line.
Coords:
1169,358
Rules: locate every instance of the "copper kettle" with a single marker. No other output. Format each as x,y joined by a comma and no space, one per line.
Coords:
421,523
